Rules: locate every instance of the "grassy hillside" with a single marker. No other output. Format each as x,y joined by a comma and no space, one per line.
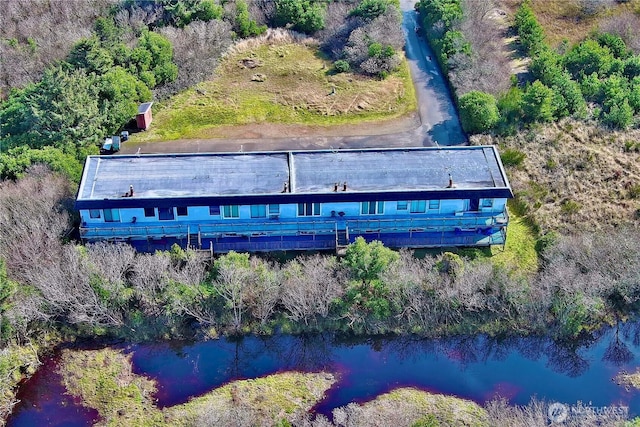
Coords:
279,82
572,20
575,177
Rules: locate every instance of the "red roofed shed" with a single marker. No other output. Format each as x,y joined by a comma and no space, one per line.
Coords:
143,118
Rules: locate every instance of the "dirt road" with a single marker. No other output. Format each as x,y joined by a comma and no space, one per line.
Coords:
435,123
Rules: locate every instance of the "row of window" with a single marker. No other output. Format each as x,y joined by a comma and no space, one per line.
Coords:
261,211
228,211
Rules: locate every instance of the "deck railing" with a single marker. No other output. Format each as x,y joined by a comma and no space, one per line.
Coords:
274,227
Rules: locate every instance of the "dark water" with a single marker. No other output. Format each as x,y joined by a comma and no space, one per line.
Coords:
44,402
477,368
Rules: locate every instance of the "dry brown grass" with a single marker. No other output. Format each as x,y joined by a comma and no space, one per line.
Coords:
575,177
292,79
566,19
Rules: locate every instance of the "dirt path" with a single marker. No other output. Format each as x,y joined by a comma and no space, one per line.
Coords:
272,136
435,123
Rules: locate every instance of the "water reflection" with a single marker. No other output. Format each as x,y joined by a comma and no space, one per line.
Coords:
473,367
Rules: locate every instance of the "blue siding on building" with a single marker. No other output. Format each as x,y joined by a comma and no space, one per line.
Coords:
401,214
444,226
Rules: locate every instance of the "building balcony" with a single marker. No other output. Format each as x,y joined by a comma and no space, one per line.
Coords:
240,228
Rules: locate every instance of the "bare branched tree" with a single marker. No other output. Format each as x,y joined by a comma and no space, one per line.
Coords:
35,34
197,50
338,26
232,284
310,286
487,69
264,293
149,278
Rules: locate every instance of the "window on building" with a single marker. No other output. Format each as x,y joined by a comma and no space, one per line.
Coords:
274,209
308,209
372,208
214,210
402,206
148,212
487,203
182,211
231,211
258,211
111,215
418,206
94,213
165,214
434,204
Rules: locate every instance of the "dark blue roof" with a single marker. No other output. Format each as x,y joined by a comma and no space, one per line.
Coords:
144,107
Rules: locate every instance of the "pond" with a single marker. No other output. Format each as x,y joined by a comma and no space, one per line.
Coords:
475,367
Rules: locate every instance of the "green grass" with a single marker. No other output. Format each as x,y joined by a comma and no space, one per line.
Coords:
518,254
16,362
297,90
103,380
423,406
520,249
268,398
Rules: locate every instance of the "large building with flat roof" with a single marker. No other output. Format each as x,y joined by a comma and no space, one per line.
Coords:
297,200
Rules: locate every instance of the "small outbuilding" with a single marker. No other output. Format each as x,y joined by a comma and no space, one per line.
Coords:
144,117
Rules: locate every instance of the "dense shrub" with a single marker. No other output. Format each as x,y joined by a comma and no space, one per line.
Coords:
529,30
341,66
589,57
537,103
16,161
305,16
370,9
175,13
372,289
244,25
28,45
512,158
478,112
448,42
615,44
92,94
631,67
568,98
372,48
441,11
63,108
546,66
618,114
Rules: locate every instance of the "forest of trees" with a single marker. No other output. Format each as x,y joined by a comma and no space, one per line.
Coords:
141,50
598,78
51,282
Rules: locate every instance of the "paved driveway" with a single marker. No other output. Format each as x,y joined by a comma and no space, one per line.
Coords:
438,120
